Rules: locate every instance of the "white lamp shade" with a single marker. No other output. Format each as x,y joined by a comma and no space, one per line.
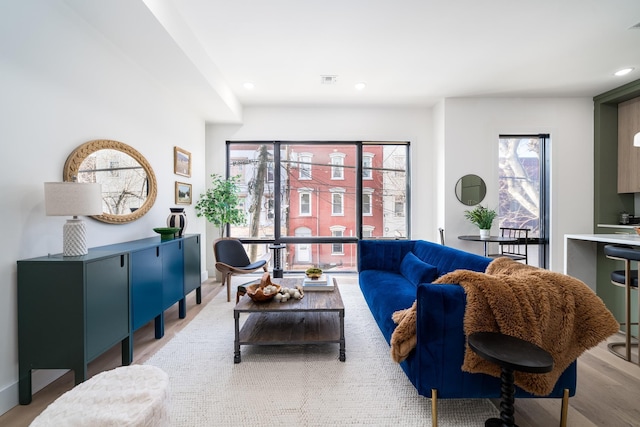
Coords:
72,198
636,140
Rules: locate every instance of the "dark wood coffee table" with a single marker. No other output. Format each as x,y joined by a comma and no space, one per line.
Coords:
316,318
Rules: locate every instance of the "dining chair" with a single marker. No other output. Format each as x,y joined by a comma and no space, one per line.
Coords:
232,259
517,249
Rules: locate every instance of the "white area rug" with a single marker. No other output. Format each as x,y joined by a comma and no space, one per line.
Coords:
297,385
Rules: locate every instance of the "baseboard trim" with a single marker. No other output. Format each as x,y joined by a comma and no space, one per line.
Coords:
39,380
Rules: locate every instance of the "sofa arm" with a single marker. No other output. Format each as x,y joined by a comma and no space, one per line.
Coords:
382,254
441,341
441,345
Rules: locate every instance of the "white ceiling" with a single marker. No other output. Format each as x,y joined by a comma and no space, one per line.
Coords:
408,52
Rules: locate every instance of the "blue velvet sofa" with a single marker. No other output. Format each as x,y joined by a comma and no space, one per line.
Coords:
395,273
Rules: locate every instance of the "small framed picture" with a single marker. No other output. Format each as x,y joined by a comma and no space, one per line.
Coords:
183,193
181,162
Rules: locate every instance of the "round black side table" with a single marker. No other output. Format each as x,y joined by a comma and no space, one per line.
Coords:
511,354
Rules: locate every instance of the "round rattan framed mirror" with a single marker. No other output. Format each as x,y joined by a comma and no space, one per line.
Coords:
129,185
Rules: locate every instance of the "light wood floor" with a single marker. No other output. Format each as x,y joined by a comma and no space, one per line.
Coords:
608,392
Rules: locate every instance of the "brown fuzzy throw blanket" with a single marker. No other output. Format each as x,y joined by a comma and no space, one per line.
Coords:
554,311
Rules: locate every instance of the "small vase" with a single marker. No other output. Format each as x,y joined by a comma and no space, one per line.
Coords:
177,218
484,234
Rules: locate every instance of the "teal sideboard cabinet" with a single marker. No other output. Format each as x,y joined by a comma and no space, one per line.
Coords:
73,309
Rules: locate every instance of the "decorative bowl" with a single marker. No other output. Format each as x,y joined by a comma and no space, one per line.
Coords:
313,273
167,233
256,292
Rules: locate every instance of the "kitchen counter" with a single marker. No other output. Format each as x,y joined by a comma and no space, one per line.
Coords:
628,227
620,238
582,253
584,259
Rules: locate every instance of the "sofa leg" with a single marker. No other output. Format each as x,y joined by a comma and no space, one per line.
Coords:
434,407
565,408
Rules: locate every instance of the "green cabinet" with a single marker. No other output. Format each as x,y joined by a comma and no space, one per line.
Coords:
609,201
162,275
192,273
146,285
73,309
172,273
107,304
70,310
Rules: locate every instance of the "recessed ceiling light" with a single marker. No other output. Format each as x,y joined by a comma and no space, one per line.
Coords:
623,72
249,86
360,86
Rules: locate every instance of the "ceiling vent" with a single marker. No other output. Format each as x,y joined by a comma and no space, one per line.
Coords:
328,80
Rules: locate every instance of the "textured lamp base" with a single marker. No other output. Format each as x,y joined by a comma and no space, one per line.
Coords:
74,235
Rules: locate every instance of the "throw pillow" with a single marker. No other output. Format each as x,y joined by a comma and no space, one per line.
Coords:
417,271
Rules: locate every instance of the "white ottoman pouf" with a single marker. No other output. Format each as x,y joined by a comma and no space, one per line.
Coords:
135,395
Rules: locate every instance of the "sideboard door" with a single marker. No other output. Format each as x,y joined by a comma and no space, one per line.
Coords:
191,263
172,273
107,303
146,285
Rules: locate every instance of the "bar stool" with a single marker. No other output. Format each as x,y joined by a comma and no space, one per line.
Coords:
627,279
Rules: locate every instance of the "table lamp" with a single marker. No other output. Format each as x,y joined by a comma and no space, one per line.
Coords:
73,199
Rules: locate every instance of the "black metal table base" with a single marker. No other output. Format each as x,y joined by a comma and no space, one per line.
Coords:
510,353
277,260
507,394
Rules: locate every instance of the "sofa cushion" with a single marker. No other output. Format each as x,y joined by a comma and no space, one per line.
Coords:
449,259
380,255
417,271
385,293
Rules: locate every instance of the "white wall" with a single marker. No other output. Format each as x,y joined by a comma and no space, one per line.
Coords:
64,84
455,138
443,191
472,127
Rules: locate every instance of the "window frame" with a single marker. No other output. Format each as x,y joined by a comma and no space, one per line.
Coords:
340,193
311,165
367,165
367,193
339,166
337,250
305,192
305,169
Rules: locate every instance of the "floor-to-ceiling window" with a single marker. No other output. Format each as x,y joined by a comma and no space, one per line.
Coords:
523,190
319,198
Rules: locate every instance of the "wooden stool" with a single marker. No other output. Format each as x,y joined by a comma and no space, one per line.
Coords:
134,395
511,354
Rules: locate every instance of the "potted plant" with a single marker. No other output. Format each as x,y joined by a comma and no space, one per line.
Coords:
313,273
482,217
220,203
